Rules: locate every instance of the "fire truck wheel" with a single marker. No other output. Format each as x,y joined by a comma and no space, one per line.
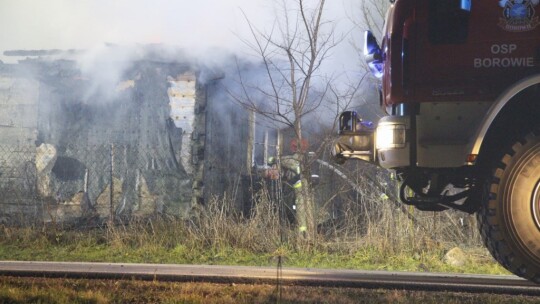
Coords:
510,216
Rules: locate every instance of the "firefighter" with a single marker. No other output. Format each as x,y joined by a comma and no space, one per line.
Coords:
291,172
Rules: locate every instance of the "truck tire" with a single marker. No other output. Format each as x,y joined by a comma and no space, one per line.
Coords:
509,219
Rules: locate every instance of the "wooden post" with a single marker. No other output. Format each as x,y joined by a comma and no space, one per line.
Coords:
250,157
111,187
265,152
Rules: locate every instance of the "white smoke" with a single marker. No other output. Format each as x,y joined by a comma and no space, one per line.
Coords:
103,67
66,24
195,25
210,30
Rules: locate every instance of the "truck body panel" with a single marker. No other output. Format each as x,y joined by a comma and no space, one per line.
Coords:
461,84
455,55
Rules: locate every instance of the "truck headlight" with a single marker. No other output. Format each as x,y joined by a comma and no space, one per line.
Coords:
390,136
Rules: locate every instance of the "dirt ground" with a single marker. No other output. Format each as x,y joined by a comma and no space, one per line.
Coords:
42,290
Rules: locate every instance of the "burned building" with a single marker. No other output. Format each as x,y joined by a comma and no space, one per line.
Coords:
152,135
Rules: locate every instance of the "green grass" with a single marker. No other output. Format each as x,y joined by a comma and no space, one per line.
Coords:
218,235
172,243
161,245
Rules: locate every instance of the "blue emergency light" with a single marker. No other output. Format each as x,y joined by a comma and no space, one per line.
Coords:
466,5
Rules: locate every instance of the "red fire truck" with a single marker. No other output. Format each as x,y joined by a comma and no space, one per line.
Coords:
460,82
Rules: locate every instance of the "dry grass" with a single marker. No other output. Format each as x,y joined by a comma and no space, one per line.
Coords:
373,217
378,236
40,290
219,224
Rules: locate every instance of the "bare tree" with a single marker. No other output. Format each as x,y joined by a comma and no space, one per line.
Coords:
292,54
373,13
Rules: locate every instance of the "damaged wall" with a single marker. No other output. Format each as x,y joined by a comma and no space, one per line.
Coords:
148,136
226,171
18,129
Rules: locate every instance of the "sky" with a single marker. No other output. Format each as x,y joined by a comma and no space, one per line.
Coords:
195,24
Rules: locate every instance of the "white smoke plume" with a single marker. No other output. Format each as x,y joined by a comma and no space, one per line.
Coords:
210,30
198,26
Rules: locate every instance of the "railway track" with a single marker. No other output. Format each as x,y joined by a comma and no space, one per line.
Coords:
269,275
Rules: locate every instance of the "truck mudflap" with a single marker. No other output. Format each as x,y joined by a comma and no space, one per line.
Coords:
356,139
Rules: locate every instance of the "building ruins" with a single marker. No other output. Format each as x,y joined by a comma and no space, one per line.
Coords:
158,138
